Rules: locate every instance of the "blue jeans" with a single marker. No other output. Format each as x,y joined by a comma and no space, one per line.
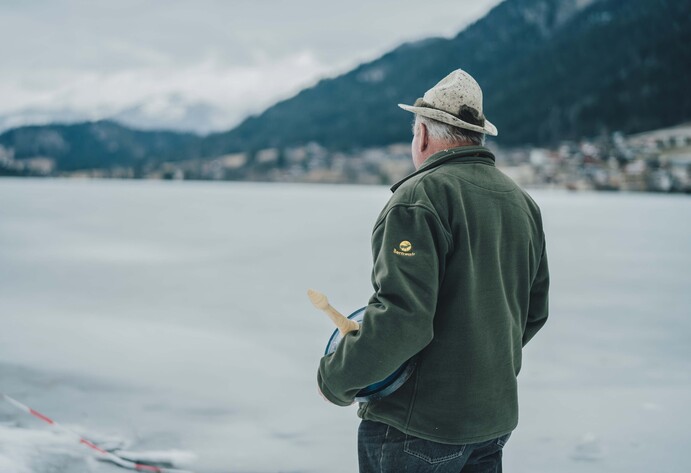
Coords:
383,449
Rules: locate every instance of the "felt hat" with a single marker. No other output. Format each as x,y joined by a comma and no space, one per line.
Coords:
455,100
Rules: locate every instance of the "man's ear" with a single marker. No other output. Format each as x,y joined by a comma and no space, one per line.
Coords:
424,137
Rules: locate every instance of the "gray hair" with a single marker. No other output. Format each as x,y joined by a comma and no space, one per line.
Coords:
448,133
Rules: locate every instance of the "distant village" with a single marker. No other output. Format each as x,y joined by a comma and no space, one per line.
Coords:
655,161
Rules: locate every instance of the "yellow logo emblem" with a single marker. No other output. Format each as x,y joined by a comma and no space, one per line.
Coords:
406,249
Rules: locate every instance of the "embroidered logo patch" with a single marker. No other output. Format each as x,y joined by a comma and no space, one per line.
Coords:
406,249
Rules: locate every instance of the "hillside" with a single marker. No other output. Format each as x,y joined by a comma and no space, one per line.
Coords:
550,70
102,144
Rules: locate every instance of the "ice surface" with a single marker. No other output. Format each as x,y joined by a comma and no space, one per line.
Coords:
41,450
173,316
589,448
167,458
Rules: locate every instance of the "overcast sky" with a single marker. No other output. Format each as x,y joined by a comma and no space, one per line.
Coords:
97,57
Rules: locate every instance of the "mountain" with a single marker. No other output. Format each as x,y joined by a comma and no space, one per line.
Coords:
166,111
102,144
173,112
40,116
549,69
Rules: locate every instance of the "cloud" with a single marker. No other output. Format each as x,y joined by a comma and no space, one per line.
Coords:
90,60
238,90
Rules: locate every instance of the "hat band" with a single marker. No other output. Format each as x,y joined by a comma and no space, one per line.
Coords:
465,113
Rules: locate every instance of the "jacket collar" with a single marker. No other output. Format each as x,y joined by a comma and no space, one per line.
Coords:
464,154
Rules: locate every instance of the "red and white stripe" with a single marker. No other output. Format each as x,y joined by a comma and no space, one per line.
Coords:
130,465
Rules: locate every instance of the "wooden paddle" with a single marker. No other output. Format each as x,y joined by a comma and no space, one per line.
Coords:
343,323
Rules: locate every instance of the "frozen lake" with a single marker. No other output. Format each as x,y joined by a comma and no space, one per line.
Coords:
173,316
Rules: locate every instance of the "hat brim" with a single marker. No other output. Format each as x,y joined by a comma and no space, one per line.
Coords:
444,117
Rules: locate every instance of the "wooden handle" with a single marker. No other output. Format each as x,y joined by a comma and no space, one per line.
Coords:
343,323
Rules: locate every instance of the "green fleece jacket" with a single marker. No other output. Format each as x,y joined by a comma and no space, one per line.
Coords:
460,283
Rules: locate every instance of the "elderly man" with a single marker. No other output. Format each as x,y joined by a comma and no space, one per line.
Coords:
460,286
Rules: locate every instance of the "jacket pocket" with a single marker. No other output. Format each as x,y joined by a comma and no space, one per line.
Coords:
431,452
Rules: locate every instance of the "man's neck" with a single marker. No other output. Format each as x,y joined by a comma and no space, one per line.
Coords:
436,146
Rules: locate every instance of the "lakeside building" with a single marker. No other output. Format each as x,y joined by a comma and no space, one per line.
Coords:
656,161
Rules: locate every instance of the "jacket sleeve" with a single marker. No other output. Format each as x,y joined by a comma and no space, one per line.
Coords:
409,247
538,307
